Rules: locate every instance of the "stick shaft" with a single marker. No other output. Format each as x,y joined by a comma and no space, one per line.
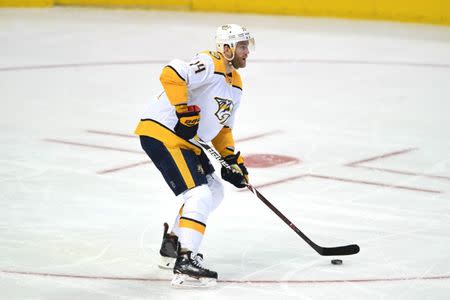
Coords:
326,251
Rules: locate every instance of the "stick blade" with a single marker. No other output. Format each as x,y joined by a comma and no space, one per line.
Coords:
337,251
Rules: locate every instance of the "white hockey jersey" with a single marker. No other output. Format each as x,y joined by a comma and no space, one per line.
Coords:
203,82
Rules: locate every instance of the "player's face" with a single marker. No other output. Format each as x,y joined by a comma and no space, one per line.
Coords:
240,55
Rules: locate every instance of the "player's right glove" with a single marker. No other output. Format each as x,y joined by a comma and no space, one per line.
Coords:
188,119
238,175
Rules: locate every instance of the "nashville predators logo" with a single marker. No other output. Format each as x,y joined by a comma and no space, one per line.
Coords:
225,109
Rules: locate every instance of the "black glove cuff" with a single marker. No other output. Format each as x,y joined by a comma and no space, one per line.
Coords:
185,132
237,179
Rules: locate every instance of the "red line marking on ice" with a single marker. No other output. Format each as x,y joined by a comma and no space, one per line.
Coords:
86,64
91,146
403,172
236,281
258,136
357,164
349,181
376,184
277,61
277,182
112,133
124,167
381,156
253,137
353,62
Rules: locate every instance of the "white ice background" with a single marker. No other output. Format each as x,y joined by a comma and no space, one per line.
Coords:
79,221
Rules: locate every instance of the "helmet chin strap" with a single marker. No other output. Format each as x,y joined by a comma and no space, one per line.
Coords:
230,60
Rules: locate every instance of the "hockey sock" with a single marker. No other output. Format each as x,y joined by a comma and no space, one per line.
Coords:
176,224
192,223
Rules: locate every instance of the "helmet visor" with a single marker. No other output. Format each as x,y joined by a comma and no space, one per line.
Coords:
249,44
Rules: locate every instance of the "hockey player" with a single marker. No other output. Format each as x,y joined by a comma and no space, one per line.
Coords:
200,99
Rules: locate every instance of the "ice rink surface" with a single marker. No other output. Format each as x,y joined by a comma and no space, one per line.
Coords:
360,110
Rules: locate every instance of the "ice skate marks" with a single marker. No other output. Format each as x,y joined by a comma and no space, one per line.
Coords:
186,281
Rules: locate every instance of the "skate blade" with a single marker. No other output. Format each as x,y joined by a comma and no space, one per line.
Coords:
185,281
166,263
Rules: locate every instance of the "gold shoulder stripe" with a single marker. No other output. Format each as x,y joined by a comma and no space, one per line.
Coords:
220,73
237,82
174,85
218,60
176,72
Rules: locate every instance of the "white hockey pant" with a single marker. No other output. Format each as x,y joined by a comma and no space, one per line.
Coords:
199,202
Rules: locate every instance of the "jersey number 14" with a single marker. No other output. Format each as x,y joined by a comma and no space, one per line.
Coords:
200,67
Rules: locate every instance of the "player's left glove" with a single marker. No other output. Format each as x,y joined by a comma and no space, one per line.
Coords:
188,120
238,175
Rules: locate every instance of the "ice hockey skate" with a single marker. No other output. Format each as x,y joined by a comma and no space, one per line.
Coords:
189,272
169,249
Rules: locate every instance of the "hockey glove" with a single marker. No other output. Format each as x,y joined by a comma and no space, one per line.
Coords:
188,119
238,175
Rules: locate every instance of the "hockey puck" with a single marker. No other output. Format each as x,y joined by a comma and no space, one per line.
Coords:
336,261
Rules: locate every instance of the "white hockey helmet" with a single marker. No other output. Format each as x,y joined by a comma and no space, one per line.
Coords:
231,34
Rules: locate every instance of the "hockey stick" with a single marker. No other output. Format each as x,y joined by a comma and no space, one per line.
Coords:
325,251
